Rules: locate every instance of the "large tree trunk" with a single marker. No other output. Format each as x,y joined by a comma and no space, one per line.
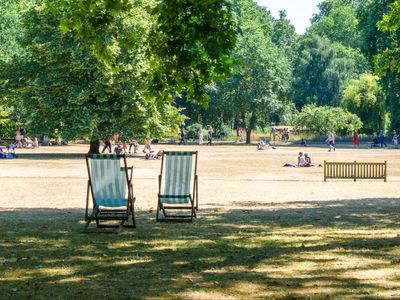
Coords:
250,127
94,146
248,135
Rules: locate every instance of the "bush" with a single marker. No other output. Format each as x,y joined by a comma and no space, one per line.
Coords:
225,132
321,119
193,131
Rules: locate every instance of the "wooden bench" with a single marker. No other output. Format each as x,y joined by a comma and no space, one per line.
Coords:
355,170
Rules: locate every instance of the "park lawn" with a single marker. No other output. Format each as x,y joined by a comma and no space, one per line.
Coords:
263,231
322,250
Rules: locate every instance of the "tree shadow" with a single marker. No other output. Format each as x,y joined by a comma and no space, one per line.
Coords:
297,249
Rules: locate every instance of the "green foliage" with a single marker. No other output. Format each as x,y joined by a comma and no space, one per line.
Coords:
193,130
189,43
284,35
190,46
375,43
259,85
65,91
321,119
225,132
339,24
364,97
321,70
389,59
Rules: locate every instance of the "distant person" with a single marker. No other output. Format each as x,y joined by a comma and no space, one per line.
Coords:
303,143
301,160
19,138
331,141
395,138
262,145
35,142
355,139
210,136
239,134
107,145
381,137
147,147
118,149
183,136
153,155
375,141
308,160
201,137
135,146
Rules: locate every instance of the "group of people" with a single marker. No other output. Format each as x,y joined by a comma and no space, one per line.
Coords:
25,142
378,140
200,136
303,161
283,134
8,152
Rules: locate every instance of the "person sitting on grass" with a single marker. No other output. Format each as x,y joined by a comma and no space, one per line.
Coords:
153,156
301,160
308,160
262,145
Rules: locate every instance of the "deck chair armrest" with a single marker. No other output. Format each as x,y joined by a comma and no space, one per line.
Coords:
159,184
130,174
174,196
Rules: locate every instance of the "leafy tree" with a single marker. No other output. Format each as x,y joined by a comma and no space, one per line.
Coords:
389,59
9,29
339,23
255,92
321,119
375,42
364,97
190,41
321,70
66,91
284,35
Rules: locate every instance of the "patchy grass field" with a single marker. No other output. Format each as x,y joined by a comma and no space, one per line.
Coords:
262,231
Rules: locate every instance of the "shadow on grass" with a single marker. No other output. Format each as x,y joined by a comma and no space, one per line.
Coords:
304,249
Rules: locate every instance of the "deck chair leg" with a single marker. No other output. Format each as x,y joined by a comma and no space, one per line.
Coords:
87,225
121,225
133,213
158,210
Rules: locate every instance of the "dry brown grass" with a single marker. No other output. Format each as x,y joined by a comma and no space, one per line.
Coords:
263,230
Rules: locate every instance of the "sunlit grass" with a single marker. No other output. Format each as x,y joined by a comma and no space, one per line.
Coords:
223,254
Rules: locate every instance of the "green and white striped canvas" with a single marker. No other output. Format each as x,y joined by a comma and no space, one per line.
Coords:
178,173
108,180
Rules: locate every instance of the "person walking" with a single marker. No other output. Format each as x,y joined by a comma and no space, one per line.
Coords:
239,134
382,138
107,144
331,141
355,139
201,137
183,135
395,138
210,136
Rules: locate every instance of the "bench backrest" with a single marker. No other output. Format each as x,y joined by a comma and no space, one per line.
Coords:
355,170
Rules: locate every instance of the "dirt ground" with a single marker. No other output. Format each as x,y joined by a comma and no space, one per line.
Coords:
263,231
229,177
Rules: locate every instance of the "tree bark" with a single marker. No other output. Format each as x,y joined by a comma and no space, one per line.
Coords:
248,135
94,146
250,127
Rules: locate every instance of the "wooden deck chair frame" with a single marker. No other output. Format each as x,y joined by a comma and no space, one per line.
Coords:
193,196
100,213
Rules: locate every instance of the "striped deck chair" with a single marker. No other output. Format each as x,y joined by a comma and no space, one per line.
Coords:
176,181
110,185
